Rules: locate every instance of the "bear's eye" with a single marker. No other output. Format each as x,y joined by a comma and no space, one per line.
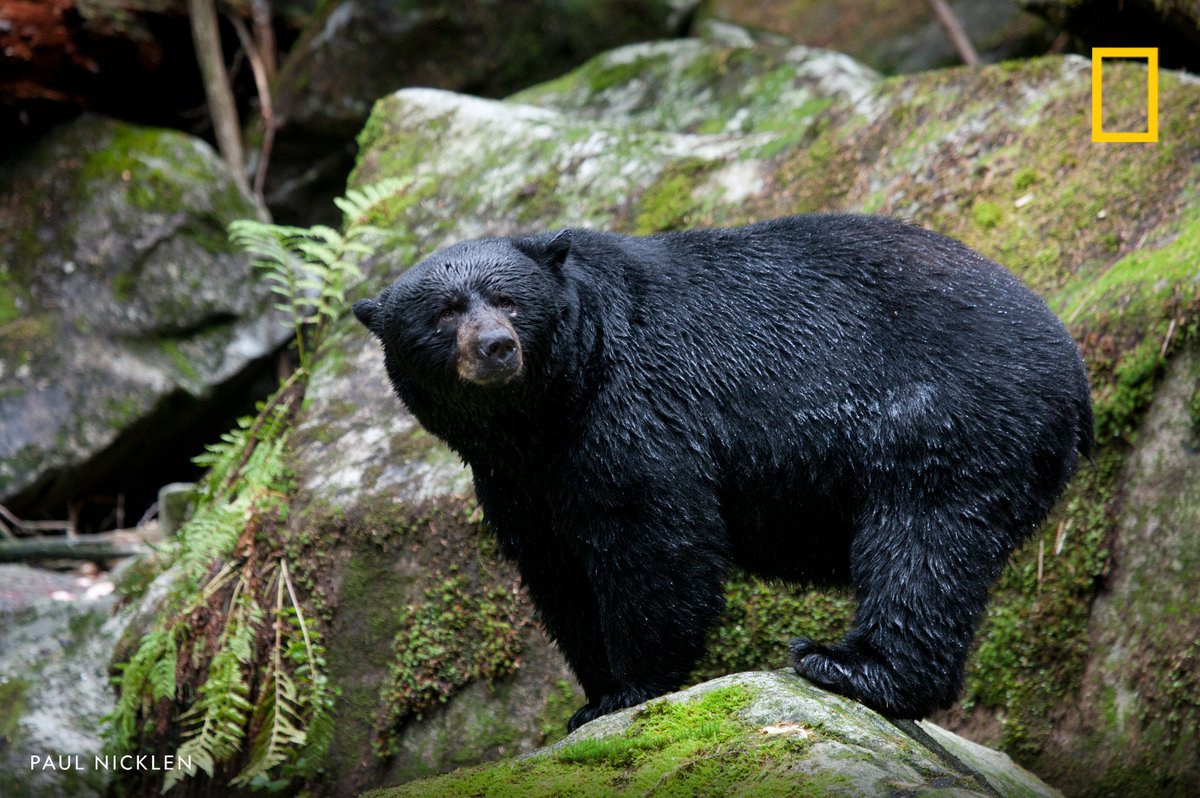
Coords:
447,315
506,304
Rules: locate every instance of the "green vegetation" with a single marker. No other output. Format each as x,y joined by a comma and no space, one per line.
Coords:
697,747
234,658
761,617
12,708
671,202
457,634
312,268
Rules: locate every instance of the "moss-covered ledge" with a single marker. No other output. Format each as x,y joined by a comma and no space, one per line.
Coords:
759,734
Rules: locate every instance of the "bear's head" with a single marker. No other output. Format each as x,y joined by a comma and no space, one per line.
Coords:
477,313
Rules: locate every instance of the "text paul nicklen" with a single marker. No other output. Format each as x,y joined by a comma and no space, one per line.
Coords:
126,762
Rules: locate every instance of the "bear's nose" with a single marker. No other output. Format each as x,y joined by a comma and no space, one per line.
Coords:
497,346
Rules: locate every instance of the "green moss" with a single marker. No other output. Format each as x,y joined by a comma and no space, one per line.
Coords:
136,578
1025,178
1128,319
604,74
670,202
699,747
158,170
539,200
1033,645
359,651
986,214
9,311
456,634
664,724
760,619
12,708
561,703
182,363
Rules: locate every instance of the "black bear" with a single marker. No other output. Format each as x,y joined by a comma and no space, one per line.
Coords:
831,399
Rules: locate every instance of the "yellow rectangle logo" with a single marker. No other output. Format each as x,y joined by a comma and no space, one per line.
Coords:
1151,56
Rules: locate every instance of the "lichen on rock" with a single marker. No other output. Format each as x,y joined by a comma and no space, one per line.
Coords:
121,299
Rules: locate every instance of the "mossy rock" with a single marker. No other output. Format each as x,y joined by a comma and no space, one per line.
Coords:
893,37
121,303
752,734
1000,157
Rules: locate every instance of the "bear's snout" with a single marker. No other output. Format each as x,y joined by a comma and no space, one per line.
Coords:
489,351
498,347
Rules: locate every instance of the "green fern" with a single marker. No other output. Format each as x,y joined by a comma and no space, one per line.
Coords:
217,721
281,728
147,677
311,269
247,485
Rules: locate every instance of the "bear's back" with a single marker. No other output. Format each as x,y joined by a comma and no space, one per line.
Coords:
854,300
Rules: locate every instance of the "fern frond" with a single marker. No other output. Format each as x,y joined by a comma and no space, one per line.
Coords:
149,675
358,202
216,722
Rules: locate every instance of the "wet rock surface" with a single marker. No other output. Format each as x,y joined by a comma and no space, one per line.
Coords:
128,325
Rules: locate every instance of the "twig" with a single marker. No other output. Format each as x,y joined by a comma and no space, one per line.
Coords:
1167,341
257,54
1061,537
287,579
9,523
1083,303
955,32
264,34
206,36
1041,560
45,526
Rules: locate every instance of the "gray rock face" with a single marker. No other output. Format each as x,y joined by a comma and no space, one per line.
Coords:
357,51
1144,627
54,686
121,303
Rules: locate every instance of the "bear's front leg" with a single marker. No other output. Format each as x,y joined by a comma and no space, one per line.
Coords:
658,591
566,606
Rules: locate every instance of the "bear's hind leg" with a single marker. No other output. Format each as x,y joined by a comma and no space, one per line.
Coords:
922,584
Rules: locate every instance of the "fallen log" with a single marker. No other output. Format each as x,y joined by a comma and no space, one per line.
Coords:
98,547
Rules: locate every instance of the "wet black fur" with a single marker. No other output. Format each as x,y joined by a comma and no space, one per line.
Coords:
835,400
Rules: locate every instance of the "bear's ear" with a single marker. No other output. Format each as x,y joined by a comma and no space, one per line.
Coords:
365,311
549,250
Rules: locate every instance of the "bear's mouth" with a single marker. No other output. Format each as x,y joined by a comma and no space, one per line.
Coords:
486,375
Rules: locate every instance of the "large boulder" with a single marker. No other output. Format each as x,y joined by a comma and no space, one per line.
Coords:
746,734
1000,157
126,318
357,51
753,735
59,630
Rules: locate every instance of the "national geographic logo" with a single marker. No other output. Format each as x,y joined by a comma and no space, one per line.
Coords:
1151,131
